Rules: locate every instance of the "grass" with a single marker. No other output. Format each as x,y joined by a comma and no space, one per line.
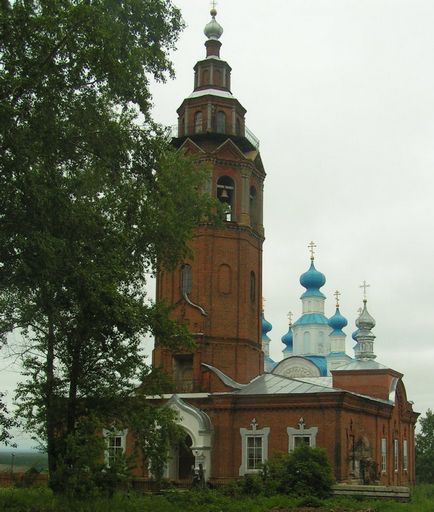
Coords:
42,500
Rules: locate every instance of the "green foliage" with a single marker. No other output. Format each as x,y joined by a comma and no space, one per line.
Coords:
303,472
42,500
6,423
92,200
425,449
29,478
81,472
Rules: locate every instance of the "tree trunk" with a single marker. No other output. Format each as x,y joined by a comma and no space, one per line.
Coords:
73,388
50,402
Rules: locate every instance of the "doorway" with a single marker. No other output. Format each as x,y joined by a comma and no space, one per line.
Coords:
185,459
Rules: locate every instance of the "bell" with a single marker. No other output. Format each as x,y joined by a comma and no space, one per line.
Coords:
224,194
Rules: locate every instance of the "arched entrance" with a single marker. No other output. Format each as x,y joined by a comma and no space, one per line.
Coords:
193,453
185,459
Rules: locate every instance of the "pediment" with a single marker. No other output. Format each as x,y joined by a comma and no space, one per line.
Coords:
296,366
190,147
229,151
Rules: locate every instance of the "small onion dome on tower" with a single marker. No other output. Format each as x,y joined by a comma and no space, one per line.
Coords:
269,364
337,322
364,349
266,327
288,338
213,29
365,322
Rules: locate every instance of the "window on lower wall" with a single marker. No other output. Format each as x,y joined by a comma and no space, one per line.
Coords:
254,452
254,448
395,454
116,445
383,455
301,436
405,455
302,441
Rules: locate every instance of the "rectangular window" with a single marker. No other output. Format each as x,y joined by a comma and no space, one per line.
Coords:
383,455
254,452
395,454
301,440
115,449
405,455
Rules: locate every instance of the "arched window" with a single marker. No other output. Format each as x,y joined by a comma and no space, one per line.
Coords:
321,344
186,280
238,126
253,206
226,195
217,77
205,77
252,287
225,279
221,122
306,342
198,122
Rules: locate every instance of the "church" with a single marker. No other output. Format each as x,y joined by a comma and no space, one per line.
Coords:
235,404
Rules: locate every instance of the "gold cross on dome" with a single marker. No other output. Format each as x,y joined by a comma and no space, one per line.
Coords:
263,303
289,315
337,294
312,247
365,286
213,4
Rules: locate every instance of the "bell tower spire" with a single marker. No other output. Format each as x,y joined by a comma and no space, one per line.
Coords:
222,303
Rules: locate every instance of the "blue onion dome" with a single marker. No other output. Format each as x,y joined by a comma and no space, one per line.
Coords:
266,326
287,339
213,29
337,322
312,280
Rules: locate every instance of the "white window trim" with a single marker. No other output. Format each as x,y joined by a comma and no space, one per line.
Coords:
396,455
383,455
301,431
114,433
253,432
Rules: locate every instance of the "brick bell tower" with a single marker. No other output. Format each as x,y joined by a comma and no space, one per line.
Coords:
218,292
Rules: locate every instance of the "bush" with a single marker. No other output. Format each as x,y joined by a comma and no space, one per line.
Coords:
29,478
309,501
304,472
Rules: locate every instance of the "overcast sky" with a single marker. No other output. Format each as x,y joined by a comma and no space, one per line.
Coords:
341,96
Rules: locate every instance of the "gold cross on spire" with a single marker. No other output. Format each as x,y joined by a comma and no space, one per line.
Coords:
312,247
263,304
289,315
213,5
365,286
337,294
